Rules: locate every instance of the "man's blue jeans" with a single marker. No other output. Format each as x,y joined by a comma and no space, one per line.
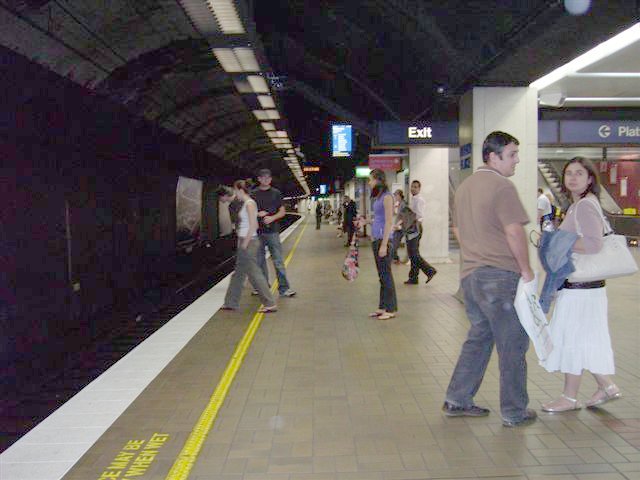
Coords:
488,295
272,242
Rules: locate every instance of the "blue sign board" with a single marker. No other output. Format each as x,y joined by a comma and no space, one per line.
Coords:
341,140
547,131
599,131
417,133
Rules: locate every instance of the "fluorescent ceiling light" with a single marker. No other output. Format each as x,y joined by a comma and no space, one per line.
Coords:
291,151
604,75
234,60
226,16
266,101
268,126
602,99
272,134
227,60
597,53
266,114
247,59
283,145
281,133
258,84
242,85
280,140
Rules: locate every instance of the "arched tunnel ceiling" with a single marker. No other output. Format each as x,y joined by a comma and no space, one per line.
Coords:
341,60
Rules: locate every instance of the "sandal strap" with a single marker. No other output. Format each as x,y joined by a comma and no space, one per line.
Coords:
572,400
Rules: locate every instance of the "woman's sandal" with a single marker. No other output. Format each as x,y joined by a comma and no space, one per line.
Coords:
268,309
604,395
560,405
386,316
226,308
376,314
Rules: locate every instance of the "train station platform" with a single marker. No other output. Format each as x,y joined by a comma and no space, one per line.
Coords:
320,391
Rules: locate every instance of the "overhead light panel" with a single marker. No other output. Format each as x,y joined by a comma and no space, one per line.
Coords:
242,85
281,134
226,15
258,84
266,114
268,126
602,99
234,60
597,53
247,59
266,101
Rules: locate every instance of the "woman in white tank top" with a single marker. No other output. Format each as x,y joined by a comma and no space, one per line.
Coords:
246,255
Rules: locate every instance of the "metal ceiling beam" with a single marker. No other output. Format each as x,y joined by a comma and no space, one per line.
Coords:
237,129
198,128
193,101
330,106
423,23
334,68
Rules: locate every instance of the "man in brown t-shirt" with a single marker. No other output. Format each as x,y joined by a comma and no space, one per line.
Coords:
489,223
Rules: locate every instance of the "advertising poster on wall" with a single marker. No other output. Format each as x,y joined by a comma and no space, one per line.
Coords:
188,213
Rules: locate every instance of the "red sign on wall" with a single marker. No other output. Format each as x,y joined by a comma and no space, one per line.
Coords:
385,162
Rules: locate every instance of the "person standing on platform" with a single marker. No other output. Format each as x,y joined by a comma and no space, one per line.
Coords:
579,327
544,208
270,211
246,253
382,209
349,217
398,231
318,215
489,223
418,263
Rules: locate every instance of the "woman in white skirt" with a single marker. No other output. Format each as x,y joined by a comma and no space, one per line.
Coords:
579,326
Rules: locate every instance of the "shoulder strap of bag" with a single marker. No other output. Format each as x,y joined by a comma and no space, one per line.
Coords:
606,226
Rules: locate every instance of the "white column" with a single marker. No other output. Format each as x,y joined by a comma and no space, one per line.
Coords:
430,165
513,110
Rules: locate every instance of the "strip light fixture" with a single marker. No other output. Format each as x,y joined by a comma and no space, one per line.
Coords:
606,48
226,15
267,126
234,60
266,101
258,84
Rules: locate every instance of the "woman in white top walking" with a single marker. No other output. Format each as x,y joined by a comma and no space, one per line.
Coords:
246,255
579,327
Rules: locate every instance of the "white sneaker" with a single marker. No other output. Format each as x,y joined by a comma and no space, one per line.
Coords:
255,292
288,293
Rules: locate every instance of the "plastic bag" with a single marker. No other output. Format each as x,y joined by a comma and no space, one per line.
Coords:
532,318
350,267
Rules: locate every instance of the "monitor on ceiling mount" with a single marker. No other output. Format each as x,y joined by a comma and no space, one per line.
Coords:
341,140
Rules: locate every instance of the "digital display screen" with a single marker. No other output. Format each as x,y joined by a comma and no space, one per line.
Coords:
323,189
341,140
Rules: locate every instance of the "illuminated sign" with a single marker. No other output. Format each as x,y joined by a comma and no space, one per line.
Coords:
323,189
415,132
341,140
386,162
362,172
310,169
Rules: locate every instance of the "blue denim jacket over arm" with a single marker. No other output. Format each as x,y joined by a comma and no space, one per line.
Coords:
555,256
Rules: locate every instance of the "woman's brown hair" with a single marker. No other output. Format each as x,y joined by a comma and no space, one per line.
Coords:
241,185
381,182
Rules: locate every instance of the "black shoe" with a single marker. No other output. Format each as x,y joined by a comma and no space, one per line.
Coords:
529,417
451,410
431,274
411,282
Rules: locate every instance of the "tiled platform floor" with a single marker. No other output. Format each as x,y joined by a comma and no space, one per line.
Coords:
327,393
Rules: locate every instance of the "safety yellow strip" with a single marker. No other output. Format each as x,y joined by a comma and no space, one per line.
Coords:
186,459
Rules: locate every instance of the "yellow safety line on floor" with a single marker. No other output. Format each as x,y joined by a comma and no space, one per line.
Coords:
186,459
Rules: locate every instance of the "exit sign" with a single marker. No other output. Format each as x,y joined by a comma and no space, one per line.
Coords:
310,169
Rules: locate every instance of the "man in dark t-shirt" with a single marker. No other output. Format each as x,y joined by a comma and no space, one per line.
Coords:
270,211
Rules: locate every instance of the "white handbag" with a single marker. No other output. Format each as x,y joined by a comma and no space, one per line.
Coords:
613,260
